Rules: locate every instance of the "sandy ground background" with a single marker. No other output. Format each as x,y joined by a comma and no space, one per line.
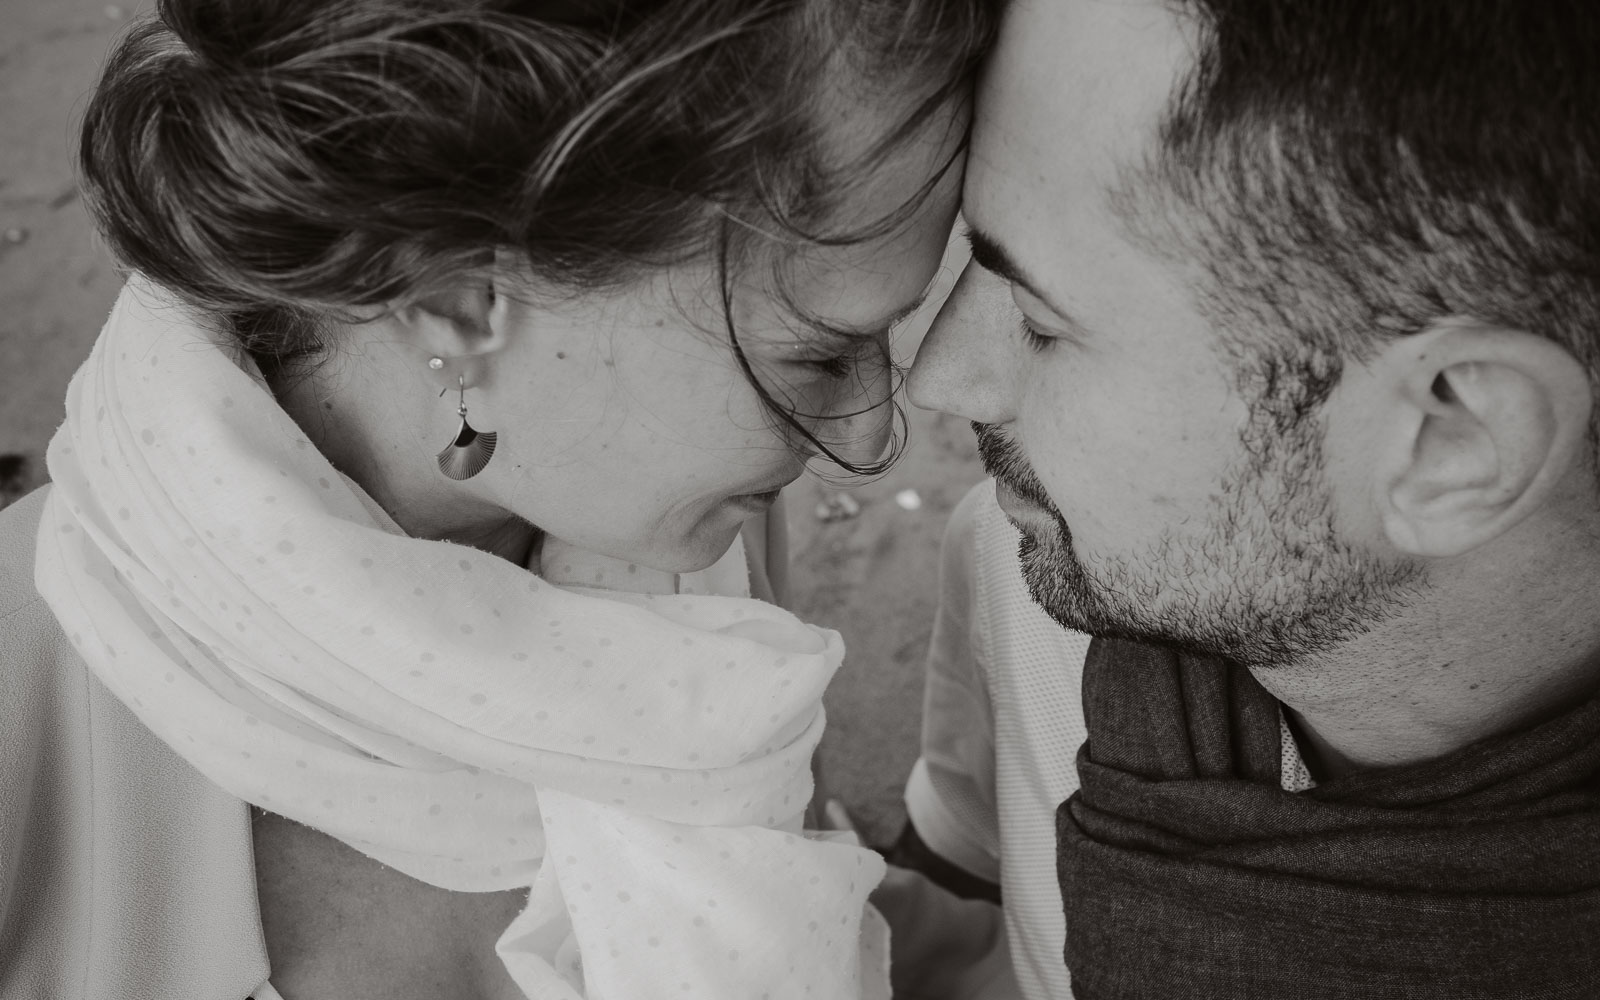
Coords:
871,576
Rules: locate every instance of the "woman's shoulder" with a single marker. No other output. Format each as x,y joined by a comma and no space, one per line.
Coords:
33,651
110,844
19,527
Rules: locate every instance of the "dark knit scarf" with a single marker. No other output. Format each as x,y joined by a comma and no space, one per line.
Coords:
1187,872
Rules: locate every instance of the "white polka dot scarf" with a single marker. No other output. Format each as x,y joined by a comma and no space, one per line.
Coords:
640,762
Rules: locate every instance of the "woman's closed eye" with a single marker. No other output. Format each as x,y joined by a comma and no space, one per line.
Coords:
837,354
835,367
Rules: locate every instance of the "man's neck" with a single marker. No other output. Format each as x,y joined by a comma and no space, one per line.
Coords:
1430,683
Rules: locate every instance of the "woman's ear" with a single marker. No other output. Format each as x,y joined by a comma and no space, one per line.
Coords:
1490,421
453,322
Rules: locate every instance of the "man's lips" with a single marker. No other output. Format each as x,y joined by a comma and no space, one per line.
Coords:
1011,501
1012,474
1022,493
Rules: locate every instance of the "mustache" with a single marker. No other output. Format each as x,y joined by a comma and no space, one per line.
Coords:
1003,460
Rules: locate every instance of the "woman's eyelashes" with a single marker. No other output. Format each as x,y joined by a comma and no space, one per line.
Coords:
835,367
838,354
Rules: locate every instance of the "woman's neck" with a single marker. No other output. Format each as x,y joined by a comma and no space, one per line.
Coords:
362,427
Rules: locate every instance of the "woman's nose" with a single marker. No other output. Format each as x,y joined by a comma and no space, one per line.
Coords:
860,424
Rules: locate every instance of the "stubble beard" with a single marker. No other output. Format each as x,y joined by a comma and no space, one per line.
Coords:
1265,582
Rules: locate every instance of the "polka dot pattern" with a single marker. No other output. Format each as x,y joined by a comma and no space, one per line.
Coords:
443,711
701,926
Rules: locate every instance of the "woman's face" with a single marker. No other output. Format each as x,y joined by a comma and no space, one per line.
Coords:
627,426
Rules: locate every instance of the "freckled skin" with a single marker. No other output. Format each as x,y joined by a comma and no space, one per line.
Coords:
641,449
653,446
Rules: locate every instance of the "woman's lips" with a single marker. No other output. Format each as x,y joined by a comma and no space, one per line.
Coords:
768,492
755,500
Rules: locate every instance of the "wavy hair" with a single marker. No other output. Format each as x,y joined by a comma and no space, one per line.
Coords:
280,162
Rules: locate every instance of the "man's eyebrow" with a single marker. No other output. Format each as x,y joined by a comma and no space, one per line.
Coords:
988,254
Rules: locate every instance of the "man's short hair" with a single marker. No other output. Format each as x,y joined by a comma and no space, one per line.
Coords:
1338,173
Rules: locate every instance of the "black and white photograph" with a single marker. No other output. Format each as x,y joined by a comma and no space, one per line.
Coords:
799,500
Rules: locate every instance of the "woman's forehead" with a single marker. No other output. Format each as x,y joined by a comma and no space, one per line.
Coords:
871,282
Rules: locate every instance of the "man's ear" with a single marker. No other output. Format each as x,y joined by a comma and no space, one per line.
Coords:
1489,422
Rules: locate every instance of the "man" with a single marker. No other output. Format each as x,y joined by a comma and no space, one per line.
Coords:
1281,342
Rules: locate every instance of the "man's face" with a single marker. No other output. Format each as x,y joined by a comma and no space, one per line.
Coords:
1151,506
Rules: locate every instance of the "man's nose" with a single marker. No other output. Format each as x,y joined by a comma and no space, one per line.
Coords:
966,365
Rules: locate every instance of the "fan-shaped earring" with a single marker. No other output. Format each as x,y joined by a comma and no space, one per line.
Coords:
471,450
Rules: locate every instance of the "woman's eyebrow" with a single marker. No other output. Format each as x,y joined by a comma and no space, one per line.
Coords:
906,310
874,328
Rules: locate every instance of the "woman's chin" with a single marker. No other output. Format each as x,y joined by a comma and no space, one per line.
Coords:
688,544
710,538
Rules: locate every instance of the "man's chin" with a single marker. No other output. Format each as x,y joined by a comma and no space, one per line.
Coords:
1060,584
1056,585
1073,599
1063,589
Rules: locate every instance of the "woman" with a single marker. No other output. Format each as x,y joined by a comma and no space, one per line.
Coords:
427,296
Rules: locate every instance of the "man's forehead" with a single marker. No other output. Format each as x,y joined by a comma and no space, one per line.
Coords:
1074,92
